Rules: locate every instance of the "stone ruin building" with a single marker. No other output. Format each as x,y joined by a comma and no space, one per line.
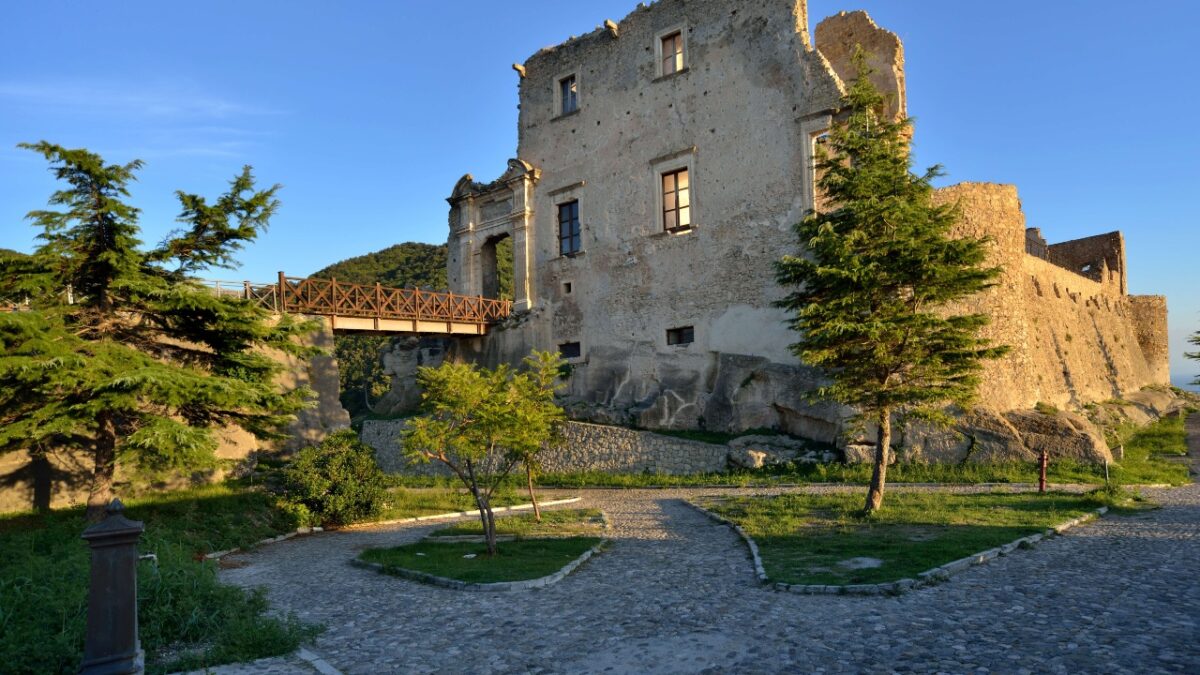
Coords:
661,163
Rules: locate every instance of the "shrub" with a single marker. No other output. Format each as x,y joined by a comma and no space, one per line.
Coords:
336,482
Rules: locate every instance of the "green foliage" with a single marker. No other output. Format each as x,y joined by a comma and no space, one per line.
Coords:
481,423
870,295
869,298
187,620
123,357
1045,408
336,482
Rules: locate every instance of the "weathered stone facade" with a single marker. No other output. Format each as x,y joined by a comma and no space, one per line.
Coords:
675,327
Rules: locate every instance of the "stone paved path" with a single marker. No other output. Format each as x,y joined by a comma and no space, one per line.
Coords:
675,594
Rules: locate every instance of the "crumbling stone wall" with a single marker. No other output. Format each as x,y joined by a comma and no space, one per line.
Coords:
838,36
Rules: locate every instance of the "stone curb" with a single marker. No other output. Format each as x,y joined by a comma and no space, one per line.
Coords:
926,578
321,665
217,555
750,543
459,514
499,586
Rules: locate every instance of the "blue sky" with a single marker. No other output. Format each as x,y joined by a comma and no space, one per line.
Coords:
368,112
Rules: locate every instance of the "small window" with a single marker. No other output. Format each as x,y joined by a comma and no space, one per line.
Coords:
567,288
676,200
672,53
570,350
681,336
568,90
568,228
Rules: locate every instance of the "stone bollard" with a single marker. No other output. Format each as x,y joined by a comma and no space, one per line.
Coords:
112,644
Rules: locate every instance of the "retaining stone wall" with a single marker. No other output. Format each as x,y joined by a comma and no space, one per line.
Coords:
587,447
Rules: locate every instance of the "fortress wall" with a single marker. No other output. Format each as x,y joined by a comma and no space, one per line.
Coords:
994,211
1073,339
1083,340
1100,257
1150,324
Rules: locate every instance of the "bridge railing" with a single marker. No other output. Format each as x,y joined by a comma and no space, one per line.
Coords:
330,297
333,297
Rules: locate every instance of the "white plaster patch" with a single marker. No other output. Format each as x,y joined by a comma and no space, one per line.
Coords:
759,331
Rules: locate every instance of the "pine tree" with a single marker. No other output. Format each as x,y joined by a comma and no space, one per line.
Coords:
870,294
1194,340
120,355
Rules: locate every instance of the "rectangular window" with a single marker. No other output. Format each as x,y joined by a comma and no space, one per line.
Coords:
681,336
570,350
676,200
672,53
569,91
569,240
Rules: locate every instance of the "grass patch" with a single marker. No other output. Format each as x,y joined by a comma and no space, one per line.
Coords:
187,619
518,560
415,502
823,539
566,523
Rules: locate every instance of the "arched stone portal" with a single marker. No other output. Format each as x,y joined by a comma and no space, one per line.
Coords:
484,215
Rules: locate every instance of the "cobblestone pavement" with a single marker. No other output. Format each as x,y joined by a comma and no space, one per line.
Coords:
675,593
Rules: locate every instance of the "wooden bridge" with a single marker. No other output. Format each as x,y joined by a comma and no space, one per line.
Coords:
377,309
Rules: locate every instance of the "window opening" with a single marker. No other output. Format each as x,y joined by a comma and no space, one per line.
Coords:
676,199
672,53
569,90
570,350
681,336
569,240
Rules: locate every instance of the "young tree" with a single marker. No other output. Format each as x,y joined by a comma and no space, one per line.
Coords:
481,423
120,355
871,292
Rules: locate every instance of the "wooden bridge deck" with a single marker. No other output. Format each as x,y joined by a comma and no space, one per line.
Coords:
378,309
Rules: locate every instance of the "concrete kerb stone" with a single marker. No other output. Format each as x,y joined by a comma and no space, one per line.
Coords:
217,555
499,586
926,578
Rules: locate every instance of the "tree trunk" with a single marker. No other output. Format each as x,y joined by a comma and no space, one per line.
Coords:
537,510
486,517
490,530
882,455
105,464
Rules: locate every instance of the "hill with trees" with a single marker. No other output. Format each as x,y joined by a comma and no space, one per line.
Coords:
407,265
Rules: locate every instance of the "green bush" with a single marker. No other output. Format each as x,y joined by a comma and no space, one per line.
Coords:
334,483
186,618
